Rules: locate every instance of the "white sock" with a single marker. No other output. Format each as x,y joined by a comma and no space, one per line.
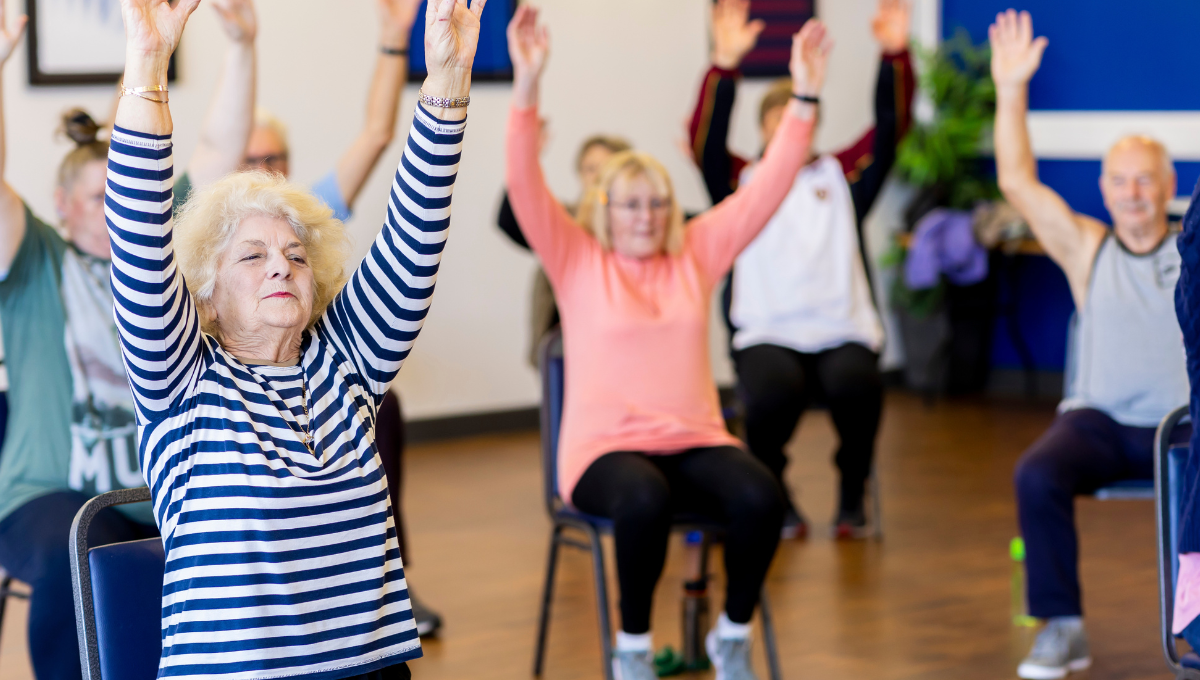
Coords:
728,630
628,642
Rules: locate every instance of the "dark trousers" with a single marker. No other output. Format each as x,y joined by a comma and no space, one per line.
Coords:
34,548
641,493
777,384
1082,451
399,671
390,440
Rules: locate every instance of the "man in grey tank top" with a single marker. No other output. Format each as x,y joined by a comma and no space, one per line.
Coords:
1129,367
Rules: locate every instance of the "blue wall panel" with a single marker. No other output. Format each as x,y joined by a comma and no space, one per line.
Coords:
1104,55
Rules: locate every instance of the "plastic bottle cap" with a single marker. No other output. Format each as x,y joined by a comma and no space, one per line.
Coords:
1016,549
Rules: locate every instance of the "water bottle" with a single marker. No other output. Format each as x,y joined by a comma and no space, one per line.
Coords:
1020,617
695,624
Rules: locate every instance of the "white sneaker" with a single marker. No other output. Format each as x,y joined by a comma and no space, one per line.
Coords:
629,665
730,658
1060,648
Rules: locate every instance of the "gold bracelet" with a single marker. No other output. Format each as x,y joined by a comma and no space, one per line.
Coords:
142,91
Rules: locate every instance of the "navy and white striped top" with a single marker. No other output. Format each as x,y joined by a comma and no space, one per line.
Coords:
279,563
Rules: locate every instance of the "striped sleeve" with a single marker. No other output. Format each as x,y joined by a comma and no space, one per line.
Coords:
156,318
376,317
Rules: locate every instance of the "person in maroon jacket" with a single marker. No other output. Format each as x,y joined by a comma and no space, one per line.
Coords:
802,319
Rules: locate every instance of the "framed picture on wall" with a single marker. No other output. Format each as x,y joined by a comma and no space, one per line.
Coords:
769,58
76,42
491,57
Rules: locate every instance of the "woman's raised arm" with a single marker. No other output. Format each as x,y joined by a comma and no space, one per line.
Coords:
12,209
547,227
156,317
720,234
377,316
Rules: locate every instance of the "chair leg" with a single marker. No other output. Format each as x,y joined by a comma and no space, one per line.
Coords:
876,507
600,577
768,627
547,597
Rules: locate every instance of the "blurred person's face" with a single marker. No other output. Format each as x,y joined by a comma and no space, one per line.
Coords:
81,208
1136,187
266,151
589,166
638,216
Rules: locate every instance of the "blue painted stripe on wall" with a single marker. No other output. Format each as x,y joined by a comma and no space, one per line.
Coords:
1104,55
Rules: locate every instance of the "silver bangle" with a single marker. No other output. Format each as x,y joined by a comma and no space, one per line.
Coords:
442,102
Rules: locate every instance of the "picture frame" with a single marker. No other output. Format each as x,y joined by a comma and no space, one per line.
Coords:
76,42
492,63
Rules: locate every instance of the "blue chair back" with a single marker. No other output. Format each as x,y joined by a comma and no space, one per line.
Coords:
550,364
118,597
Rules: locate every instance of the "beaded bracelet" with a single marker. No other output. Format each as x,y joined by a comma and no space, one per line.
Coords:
442,102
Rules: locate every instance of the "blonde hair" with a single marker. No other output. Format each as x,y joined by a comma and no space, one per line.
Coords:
779,94
209,222
79,127
592,214
613,144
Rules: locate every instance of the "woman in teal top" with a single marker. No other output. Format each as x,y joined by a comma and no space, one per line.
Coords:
71,431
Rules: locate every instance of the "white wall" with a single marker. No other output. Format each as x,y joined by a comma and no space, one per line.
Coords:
627,67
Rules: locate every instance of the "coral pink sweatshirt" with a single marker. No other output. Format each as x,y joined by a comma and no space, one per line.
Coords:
635,331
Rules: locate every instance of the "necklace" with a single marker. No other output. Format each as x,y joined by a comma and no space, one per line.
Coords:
304,429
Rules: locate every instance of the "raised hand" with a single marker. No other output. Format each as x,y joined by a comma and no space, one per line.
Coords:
10,35
396,19
451,36
152,27
810,58
734,35
528,43
891,25
238,19
1016,55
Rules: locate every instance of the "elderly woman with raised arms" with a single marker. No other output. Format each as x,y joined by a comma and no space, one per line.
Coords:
257,370
642,434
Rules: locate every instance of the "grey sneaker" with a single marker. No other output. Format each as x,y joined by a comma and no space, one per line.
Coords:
633,665
1060,648
428,621
730,658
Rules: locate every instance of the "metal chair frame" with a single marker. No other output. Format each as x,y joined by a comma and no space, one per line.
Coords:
592,528
81,575
1168,532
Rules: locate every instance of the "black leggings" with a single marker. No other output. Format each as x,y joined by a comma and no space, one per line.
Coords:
777,384
389,439
640,493
34,548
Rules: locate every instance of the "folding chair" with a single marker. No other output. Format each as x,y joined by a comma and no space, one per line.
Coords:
118,597
550,361
1169,465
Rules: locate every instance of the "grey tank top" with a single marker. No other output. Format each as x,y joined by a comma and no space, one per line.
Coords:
1126,356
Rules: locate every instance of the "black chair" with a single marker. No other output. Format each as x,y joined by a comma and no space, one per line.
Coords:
550,360
7,591
118,597
1169,463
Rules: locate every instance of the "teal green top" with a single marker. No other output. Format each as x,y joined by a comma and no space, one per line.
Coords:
40,454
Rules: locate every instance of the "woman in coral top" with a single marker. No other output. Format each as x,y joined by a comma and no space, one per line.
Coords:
642,434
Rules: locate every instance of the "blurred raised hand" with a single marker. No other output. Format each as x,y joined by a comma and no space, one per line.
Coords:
10,32
153,27
810,58
891,25
238,19
1016,55
733,34
528,43
396,18
451,36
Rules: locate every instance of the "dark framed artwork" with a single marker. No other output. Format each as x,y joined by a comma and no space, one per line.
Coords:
769,58
491,57
76,42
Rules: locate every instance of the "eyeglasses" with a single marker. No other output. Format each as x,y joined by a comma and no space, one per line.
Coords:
633,206
269,162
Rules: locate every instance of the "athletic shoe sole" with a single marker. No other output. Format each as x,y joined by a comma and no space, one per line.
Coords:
1035,672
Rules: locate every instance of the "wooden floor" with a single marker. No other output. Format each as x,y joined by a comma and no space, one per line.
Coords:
932,601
